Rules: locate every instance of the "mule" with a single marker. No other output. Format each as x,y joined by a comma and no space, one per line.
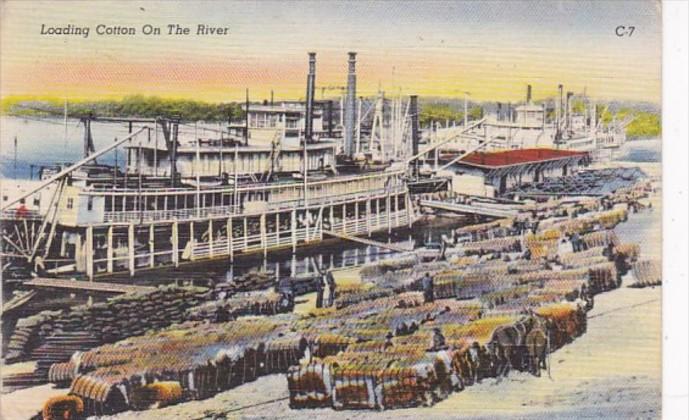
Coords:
536,343
507,345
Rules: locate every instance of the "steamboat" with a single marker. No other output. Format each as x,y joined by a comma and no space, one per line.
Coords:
558,123
284,177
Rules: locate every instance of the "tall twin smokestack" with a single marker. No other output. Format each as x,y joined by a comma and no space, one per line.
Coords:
350,106
528,94
310,89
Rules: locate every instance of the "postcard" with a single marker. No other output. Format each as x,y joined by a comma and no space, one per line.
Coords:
331,210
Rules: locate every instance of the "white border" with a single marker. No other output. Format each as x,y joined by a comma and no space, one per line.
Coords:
675,210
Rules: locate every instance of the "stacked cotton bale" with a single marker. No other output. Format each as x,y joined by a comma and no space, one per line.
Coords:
582,258
52,337
360,295
201,358
647,273
566,322
381,267
601,238
487,246
544,244
327,344
243,304
505,295
310,385
402,376
253,280
29,333
629,251
303,285
603,277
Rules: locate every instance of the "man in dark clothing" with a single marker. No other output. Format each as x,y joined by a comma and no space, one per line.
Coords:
438,341
609,251
388,341
534,227
330,280
576,242
222,314
284,288
427,285
320,285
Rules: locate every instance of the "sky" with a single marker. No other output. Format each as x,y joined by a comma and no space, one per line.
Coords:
491,49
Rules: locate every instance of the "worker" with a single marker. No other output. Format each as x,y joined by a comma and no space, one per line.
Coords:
565,246
332,288
438,341
320,285
388,341
22,212
577,245
427,285
222,314
284,288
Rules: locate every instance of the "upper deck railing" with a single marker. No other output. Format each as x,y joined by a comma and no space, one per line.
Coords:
253,187
227,211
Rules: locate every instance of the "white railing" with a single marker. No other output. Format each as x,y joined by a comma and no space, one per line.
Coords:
160,215
131,216
254,242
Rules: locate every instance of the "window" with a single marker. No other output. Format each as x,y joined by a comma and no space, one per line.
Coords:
36,202
70,203
89,204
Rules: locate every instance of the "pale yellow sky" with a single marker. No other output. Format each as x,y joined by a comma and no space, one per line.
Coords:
492,49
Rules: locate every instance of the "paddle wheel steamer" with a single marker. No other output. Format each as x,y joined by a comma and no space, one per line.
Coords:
272,181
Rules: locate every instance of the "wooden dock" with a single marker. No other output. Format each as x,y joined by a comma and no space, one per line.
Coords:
367,241
480,209
90,286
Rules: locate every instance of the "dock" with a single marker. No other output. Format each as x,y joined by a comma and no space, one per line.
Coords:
90,286
367,241
480,209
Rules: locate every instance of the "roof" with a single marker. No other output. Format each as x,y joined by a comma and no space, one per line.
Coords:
518,157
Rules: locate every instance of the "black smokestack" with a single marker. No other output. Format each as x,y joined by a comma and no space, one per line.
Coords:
330,118
414,114
499,111
528,94
310,87
350,104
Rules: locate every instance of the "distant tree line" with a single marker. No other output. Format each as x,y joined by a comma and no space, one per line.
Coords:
443,112
129,106
646,123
